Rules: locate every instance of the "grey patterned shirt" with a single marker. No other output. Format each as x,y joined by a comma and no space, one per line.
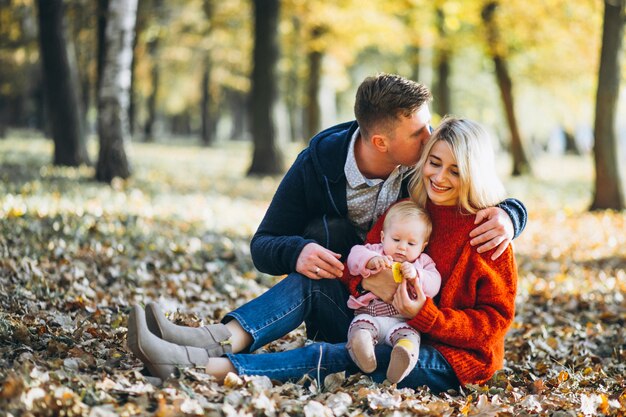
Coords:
369,198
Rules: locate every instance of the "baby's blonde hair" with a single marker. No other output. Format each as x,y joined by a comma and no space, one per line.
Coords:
408,210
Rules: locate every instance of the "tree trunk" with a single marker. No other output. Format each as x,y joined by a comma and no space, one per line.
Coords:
103,10
266,158
520,161
414,58
140,24
293,100
609,191
61,86
238,105
571,147
313,110
442,93
113,96
208,114
83,21
148,129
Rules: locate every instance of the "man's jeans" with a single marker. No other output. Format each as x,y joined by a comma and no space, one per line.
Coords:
321,304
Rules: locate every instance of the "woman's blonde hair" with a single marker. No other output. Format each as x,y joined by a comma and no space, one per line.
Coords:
471,146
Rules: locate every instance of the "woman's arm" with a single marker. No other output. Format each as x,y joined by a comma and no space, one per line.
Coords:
493,285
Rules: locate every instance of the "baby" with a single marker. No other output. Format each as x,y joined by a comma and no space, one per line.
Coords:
405,234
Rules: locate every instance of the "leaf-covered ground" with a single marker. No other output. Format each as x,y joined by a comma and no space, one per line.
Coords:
74,255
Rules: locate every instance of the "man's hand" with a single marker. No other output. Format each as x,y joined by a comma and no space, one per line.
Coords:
408,307
496,231
315,262
382,285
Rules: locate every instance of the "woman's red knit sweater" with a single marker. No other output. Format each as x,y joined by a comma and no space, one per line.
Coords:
476,304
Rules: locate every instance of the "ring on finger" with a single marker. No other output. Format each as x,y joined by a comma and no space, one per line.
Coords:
317,270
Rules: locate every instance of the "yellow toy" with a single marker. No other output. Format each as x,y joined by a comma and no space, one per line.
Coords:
397,272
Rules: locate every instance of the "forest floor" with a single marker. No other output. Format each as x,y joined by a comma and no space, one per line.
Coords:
75,254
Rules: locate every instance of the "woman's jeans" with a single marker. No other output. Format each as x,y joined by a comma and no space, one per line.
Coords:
321,304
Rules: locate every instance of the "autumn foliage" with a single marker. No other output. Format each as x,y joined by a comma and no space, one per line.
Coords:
75,254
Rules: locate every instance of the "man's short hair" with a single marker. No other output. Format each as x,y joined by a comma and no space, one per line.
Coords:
382,99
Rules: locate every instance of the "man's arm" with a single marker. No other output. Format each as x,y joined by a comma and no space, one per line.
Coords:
278,241
498,226
278,246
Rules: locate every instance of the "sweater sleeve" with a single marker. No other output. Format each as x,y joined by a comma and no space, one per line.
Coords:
430,278
278,241
359,257
352,281
517,212
492,286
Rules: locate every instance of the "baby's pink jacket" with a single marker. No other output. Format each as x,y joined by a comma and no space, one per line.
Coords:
360,255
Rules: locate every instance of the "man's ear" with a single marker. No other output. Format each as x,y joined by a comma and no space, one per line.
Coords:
380,143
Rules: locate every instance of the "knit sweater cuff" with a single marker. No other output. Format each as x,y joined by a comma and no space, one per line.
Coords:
350,282
425,319
517,212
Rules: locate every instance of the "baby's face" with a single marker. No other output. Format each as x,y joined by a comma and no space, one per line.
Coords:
404,239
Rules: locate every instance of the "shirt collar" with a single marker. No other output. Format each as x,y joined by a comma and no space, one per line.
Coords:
354,176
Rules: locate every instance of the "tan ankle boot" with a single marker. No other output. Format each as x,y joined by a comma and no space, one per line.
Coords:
162,358
215,338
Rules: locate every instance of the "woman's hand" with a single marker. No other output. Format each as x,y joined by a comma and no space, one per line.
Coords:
382,285
407,307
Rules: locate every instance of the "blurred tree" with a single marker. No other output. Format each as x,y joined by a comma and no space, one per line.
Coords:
143,10
521,165
208,116
267,158
81,15
153,45
609,187
61,85
293,40
313,117
442,94
21,80
114,85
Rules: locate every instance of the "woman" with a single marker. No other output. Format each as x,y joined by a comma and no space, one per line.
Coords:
463,332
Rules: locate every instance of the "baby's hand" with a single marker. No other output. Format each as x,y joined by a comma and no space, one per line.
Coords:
408,270
378,263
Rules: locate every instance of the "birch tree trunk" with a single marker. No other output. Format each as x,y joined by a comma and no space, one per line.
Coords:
609,188
114,92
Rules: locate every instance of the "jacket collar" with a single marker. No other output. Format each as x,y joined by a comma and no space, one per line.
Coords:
329,150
